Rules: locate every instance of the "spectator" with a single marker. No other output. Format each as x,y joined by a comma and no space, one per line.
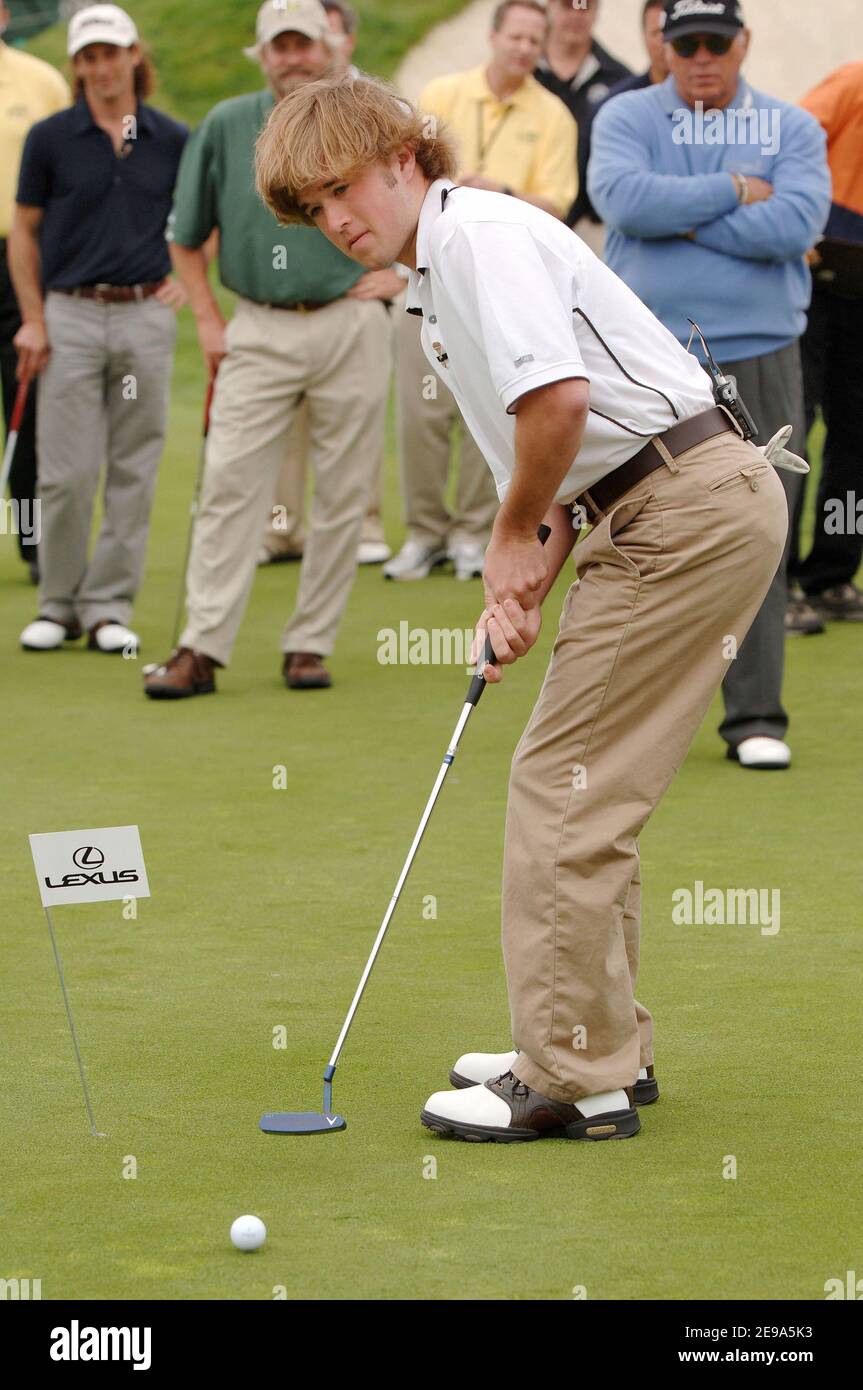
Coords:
717,232
833,364
90,264
653,21
578,70
31,91
344,22
308,322
516,138
284,534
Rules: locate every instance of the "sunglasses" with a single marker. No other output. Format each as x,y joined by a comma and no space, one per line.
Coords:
689,44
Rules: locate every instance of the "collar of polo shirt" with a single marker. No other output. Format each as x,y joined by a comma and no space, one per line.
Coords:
476,85
82,120
429,214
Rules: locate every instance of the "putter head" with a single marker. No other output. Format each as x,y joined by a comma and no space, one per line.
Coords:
301,1122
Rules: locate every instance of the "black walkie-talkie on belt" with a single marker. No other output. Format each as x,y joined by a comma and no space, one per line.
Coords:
725,388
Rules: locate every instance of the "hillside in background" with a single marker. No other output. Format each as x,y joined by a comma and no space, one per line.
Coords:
197,47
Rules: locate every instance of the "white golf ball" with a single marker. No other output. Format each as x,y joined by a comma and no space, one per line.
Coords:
248,1232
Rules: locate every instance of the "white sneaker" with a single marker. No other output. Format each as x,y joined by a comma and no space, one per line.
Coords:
507,1111
44,635
113,638
762,753
473,1068
467,557
415,561
373,552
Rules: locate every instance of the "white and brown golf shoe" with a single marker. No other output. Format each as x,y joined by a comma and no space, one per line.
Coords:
473,1068
506,1111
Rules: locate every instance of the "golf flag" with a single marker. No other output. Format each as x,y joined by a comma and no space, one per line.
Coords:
89,866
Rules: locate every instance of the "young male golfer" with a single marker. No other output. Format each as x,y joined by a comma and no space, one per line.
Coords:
575,394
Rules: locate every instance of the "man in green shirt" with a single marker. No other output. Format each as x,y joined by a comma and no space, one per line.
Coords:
308,323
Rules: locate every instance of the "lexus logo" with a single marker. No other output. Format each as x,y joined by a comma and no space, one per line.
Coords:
88,857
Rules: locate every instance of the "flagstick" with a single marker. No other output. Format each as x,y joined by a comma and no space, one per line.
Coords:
95,1133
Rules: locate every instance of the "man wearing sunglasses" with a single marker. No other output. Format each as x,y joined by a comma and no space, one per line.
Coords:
713,194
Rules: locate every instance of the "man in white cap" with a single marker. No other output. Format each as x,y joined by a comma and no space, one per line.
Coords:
308,323
90,264
283,536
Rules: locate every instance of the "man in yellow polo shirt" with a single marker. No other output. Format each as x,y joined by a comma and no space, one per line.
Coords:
513,137
29,91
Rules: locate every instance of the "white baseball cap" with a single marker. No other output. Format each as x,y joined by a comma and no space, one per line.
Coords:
289,16
100,24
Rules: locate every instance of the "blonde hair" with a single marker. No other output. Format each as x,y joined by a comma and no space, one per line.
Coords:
339,127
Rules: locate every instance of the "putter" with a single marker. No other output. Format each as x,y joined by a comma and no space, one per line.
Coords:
313,1122
12,437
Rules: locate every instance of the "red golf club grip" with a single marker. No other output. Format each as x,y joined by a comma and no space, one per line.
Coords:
18,407
477,685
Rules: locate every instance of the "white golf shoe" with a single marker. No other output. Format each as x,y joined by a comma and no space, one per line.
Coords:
414,561
373,552
506,1111
761,753
468,558
474,1068
113,638
46,635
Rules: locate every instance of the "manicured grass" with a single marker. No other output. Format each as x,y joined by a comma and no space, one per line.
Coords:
197,47
264,907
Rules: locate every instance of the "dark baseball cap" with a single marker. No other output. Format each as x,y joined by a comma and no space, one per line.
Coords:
702,17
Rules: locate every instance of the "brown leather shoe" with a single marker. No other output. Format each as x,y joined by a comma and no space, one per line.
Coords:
305,671
469,1115
186,672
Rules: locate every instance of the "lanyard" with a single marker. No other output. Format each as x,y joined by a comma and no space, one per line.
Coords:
484,148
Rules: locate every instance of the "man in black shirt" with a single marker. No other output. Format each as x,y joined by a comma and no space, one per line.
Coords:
653,20
89,262
579,71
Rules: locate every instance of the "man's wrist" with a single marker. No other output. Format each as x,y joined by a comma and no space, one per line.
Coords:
511,528
208,315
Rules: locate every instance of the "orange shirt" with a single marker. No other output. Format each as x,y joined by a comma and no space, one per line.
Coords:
837,103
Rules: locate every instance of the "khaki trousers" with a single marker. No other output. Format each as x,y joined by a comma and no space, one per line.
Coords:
669,581
284,529
338,358
102,408
424,442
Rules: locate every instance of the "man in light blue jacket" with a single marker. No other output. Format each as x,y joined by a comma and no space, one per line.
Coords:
713,193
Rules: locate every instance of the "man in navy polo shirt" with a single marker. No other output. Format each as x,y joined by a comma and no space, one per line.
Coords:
89,262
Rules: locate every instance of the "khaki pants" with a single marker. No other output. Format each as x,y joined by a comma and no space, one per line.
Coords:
284,529
424,440
102,407
338,358
666,578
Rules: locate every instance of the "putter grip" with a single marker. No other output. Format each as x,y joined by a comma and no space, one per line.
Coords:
477,685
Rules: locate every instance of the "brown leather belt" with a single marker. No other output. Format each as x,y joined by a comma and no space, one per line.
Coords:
603,495
114,294
305,306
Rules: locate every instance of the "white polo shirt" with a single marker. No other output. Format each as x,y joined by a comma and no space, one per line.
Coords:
511,300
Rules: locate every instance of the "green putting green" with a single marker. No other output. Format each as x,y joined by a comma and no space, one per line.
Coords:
264,906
